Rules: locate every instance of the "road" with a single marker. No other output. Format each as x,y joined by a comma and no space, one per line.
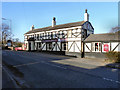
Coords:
35,70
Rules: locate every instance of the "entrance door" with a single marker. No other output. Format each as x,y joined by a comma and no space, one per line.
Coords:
29,46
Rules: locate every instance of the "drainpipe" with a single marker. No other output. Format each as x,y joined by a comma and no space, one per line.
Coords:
82,46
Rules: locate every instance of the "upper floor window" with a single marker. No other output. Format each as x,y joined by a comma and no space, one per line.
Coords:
51,35
37,36
40,36
43,36
54,34
63,34
48,35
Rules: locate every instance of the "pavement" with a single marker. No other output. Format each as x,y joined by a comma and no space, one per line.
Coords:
42,70
7,80
88,63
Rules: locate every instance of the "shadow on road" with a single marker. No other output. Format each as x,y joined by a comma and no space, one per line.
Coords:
63,75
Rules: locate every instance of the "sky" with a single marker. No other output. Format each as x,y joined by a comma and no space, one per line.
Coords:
102,15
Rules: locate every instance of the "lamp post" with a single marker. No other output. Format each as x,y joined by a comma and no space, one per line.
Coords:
10,30
10,24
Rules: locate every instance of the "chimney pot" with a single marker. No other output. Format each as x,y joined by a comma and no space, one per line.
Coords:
85,10
32,27
53,22
86,16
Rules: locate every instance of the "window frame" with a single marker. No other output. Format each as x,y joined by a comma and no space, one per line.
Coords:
99,47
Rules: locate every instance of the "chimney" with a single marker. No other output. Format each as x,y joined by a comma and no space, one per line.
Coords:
32,27
86,16
53,22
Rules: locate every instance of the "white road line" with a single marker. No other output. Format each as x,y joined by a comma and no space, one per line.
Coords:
26,64
111,80
66,68
8,74
53,65
59,67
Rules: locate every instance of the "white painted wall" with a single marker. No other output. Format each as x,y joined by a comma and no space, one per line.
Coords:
35,46
114,44
44,46
118,48
79,45
73,39
58,47
72,48
86,49
54,49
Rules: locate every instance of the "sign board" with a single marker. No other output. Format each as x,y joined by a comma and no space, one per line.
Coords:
54,40
106,47
9,44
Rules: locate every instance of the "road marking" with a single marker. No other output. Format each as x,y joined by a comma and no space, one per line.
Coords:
66,68
8,74
111,80
56,66
53,65
26,64
11,77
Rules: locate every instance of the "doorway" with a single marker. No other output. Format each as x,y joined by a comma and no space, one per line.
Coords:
29,46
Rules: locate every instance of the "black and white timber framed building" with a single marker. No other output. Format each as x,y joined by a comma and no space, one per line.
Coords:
66,38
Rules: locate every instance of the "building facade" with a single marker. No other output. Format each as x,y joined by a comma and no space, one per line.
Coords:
66,38
96,45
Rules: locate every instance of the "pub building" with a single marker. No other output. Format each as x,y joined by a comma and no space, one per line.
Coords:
74,38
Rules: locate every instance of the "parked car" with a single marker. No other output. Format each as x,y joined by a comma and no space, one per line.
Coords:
18,49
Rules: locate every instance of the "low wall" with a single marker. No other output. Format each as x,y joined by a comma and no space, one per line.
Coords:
50,52
54,52
95,55
75,54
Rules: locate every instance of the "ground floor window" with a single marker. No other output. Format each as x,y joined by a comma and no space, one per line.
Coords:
97,46
29,46
39,44
49,46
63,46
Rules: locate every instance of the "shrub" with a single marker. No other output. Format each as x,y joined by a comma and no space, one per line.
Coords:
113,56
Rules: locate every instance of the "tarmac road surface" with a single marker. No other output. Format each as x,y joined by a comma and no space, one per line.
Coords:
40,72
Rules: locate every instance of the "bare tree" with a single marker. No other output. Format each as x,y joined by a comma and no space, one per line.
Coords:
6,33
16,42
115,29
16,39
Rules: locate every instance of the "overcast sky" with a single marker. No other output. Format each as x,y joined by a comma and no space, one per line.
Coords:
103,15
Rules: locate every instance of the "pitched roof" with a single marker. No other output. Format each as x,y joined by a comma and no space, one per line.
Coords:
68,25
103,37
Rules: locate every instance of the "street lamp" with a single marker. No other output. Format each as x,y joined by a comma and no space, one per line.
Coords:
9,28
10,23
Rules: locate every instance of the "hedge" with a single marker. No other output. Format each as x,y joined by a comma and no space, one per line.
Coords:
113,56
